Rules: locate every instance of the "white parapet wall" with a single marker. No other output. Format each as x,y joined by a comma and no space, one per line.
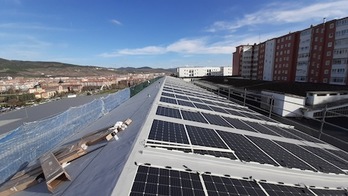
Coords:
283,104
321,97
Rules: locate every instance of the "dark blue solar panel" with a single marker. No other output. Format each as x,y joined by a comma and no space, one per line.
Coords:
234,112
217,185
283,157
168,100
273,189
310,158
208,102
282,132
244,149
202,106
216,120
185,103
158,181
193,116
181,97
170,112
217,109
340,154
168,132
328,156
303,135
239,124
168,94
195,99
262,129
330,192
204,137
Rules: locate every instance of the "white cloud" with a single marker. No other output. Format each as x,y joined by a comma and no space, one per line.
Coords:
115,22
280,13
32,26
182,46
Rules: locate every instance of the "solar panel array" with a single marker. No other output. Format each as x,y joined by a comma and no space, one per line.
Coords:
151,180
191,120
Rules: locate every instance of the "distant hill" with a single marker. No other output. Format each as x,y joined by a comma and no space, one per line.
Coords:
16,68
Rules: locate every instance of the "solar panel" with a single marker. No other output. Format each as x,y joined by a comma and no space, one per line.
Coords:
168,132
168,94
239,124
158,181
282,132
328,156
185,103
195,99
168,100
204,137
181,97
330,192
202,106
283,157
310,158
244,149
340,154
217,109
274,189
304,136
261,128
169,112
217,185
208,102
216,120
193,116
233,112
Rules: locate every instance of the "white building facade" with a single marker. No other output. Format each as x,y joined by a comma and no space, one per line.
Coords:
303,56
269,60
340,54
190,72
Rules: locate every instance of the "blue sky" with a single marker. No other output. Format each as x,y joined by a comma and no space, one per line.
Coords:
155,33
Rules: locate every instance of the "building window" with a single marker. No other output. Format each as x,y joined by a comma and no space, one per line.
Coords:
332,25
326,71
330,35
327,62
329,44
325,80
328,53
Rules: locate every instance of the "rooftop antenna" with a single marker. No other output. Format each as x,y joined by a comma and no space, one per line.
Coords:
324,20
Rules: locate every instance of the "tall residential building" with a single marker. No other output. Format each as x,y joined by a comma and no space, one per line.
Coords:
318,54
340,53
286,57
246,61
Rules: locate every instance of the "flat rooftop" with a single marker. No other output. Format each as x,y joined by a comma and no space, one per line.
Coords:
185,140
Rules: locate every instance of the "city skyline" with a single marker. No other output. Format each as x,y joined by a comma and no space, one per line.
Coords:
150,33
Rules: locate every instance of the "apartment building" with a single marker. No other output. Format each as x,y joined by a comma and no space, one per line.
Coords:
190,72
318,54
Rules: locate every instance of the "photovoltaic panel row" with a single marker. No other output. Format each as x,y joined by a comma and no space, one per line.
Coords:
158,181
169,112
181,97
204,137
234,112
262,129
185,103
313,160
328,156
239,124
283,157
216,120
202,106
193,116
217,185
244,149
282,132
340,153
168,94
168,100
168,132
330,192
303,135
195,100
217,109
274,189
